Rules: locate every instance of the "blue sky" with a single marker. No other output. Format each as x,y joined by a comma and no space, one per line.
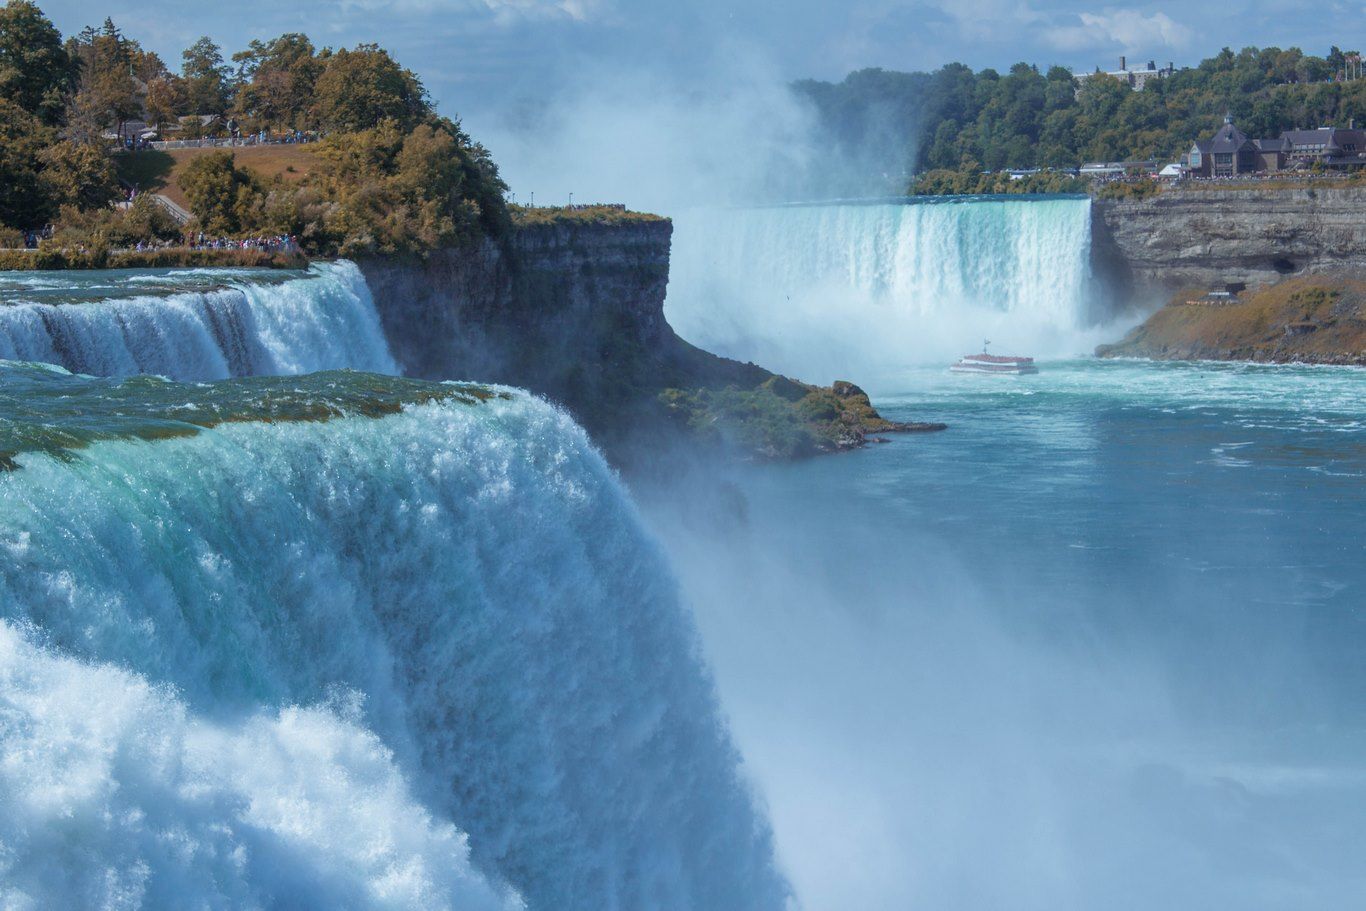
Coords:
478,54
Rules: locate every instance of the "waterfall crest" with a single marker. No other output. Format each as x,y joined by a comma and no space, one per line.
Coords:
233,324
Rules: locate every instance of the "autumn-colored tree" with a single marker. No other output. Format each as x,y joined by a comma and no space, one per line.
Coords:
110,93
166,100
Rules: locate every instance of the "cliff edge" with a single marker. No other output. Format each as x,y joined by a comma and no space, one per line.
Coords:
574,310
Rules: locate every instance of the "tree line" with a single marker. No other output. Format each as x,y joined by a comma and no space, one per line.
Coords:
392,175
958,119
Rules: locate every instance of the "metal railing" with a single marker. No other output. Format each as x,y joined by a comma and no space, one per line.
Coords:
221,142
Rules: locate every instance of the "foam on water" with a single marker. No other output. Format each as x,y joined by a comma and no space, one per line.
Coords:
293,663
207,324
119,796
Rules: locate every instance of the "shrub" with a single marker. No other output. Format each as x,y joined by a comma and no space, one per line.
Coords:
1137,189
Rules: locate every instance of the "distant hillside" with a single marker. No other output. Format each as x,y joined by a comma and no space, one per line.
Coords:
888,125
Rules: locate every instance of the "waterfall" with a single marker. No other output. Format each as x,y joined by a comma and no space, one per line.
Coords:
225,323
414,661
821,291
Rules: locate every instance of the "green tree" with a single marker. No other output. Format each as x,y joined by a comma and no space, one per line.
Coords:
25,201
277,80
36,72
79,174
222,196
360,88
955,118
207,89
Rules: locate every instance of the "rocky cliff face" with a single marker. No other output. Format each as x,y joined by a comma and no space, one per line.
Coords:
1183,239
575,311
549,306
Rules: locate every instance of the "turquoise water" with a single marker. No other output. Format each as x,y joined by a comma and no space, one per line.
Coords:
1100,644
45,410
85,286
345,641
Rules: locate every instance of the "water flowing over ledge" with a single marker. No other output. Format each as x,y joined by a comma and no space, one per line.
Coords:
822,291
381,634
202,325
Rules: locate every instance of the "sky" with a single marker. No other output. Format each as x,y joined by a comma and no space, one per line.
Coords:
475,55
654,99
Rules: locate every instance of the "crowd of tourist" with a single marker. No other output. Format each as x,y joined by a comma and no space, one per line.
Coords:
276,243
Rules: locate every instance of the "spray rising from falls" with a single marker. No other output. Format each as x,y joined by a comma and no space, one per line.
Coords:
392,661
861,290
204,325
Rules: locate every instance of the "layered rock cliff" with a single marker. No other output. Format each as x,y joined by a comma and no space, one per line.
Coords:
1181,239
575,311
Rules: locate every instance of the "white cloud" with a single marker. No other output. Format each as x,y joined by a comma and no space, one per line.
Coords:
1125,28
502,11
578,10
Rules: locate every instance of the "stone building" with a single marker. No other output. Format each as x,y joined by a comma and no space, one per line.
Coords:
1230,153
1326,145
1227,153
1135,79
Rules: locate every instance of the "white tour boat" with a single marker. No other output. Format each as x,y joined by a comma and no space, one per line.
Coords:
994,363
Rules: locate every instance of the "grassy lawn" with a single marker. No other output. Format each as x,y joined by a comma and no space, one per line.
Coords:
159,172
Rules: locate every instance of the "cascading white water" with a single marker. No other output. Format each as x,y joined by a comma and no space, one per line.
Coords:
321,321
279,665
822,291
